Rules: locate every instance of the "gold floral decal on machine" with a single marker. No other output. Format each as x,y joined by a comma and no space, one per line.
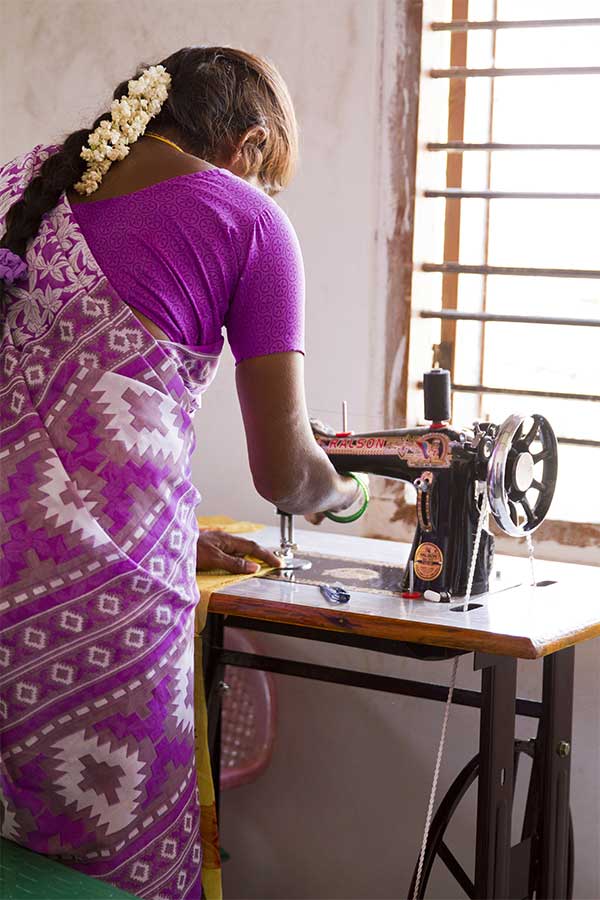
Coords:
433,448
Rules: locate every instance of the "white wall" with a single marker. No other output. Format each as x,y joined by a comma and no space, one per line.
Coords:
328,53
340,811
63,58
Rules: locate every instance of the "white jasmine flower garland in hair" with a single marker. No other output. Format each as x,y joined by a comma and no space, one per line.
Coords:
129,117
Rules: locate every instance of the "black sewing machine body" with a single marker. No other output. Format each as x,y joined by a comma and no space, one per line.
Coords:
445,466
512,467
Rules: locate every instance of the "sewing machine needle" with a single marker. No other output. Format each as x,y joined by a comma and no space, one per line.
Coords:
345,416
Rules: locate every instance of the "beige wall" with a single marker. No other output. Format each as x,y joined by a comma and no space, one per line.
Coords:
327,52
340,811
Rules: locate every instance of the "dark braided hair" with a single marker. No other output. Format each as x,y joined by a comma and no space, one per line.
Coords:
217,94
57,174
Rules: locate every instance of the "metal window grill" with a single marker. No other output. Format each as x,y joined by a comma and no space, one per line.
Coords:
455,147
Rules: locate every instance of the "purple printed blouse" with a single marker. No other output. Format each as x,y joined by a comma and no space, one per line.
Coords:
199,252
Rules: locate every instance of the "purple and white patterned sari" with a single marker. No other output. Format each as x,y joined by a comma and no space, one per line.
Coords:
98,571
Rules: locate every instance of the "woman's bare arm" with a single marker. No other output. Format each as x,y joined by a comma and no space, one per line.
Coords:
288,467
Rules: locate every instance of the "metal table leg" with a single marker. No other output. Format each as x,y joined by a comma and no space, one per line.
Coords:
540,862
495,793
555,757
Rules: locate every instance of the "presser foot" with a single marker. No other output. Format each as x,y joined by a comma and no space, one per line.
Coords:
289,562
288,546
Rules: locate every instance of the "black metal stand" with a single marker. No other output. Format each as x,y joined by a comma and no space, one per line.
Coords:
541,864
555,752
495,795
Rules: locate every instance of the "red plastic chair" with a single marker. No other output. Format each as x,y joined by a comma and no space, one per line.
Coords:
248,718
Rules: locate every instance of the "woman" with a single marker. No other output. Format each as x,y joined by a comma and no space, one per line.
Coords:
125,251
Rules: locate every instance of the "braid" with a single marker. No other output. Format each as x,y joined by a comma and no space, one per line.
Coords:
57,174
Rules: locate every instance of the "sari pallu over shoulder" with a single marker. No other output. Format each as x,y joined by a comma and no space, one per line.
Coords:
98,571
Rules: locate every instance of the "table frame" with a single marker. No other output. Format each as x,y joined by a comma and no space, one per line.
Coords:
538,864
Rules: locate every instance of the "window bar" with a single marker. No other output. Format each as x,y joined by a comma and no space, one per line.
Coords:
498,317
454,165
462,269
520,392
497,24
458,194
457,74
460,72
461,146
578,442
486,239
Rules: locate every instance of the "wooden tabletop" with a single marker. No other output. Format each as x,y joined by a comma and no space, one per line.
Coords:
514,619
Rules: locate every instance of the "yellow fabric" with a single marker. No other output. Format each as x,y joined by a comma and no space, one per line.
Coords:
209,834
225,523
207,583
213,579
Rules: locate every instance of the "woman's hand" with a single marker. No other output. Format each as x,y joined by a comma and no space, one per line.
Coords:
315,518
219,550
354,496
288,467
351,489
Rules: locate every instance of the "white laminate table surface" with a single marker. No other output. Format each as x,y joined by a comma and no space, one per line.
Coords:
513,619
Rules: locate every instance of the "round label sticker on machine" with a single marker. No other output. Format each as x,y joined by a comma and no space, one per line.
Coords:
429,561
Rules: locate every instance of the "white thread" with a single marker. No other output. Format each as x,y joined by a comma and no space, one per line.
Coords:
438,763
482,517
529,540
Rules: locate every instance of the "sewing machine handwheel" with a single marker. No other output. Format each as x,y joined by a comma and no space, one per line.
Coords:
438,843
522,474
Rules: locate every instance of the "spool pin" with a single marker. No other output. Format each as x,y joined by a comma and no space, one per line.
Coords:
411,594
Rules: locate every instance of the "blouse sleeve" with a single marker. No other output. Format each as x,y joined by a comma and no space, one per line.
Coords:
266,314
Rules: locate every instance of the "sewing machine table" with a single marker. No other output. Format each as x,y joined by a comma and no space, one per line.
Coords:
513,621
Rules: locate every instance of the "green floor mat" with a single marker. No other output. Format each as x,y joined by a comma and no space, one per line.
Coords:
31,876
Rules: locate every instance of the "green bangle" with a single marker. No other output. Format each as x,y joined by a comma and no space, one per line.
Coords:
354,516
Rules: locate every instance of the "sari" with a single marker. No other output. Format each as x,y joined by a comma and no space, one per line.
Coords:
98,571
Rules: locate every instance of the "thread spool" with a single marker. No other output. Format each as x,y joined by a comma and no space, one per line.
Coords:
436,395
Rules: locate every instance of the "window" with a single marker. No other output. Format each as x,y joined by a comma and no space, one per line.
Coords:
506,256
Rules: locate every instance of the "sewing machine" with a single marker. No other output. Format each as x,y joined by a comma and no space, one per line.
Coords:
515,464
460,475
